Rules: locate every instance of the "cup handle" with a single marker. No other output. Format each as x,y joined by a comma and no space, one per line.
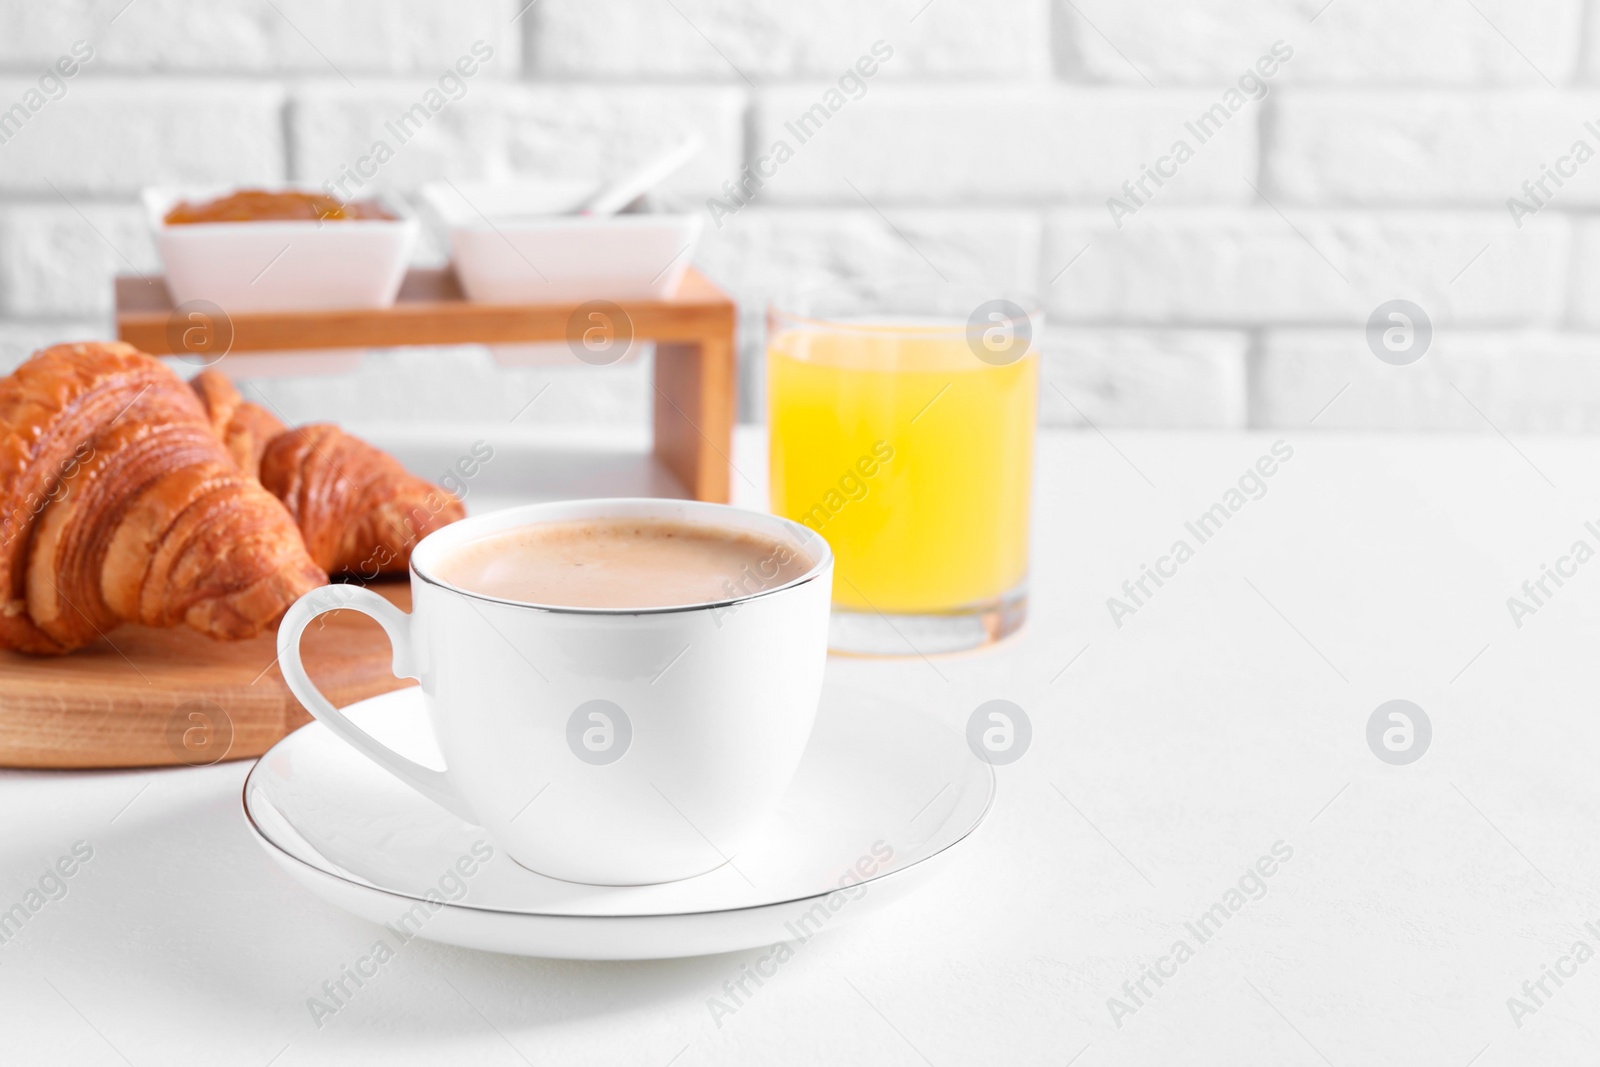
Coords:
397,624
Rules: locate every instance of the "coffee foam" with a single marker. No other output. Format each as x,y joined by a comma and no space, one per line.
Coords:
621,563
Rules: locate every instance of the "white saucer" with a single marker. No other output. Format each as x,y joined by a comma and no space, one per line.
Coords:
882,795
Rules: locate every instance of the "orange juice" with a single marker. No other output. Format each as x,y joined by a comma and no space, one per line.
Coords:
911,456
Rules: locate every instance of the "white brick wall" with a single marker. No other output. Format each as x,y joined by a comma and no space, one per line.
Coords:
1376,165
939,144
1407,42
1429,147
55,258
111,136
1470,380
1228,266
271,38
1149,378
622,40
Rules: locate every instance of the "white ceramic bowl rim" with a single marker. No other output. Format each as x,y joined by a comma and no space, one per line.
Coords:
158,200
522,224
692,511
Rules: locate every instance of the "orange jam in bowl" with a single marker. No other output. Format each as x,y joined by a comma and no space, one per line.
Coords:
263,205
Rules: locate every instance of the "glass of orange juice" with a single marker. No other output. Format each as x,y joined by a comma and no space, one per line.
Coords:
901,428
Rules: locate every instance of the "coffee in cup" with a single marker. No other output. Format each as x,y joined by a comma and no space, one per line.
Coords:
621,689
615,562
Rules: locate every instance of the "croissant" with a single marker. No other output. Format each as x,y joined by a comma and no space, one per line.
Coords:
244,428
118,504
358,509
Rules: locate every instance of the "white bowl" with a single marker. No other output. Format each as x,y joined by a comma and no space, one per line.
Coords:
513,244
280,266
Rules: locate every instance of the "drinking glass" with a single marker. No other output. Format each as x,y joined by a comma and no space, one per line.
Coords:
901,426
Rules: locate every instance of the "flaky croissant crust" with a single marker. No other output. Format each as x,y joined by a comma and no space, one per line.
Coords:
118,503
359,510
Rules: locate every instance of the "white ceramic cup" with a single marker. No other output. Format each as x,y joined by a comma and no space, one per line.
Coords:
605,746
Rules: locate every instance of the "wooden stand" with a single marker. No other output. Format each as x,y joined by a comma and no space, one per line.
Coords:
693,331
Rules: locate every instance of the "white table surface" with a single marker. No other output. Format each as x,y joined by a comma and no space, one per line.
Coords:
1228,714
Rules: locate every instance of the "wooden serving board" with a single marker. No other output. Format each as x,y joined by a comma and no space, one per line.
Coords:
142,698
